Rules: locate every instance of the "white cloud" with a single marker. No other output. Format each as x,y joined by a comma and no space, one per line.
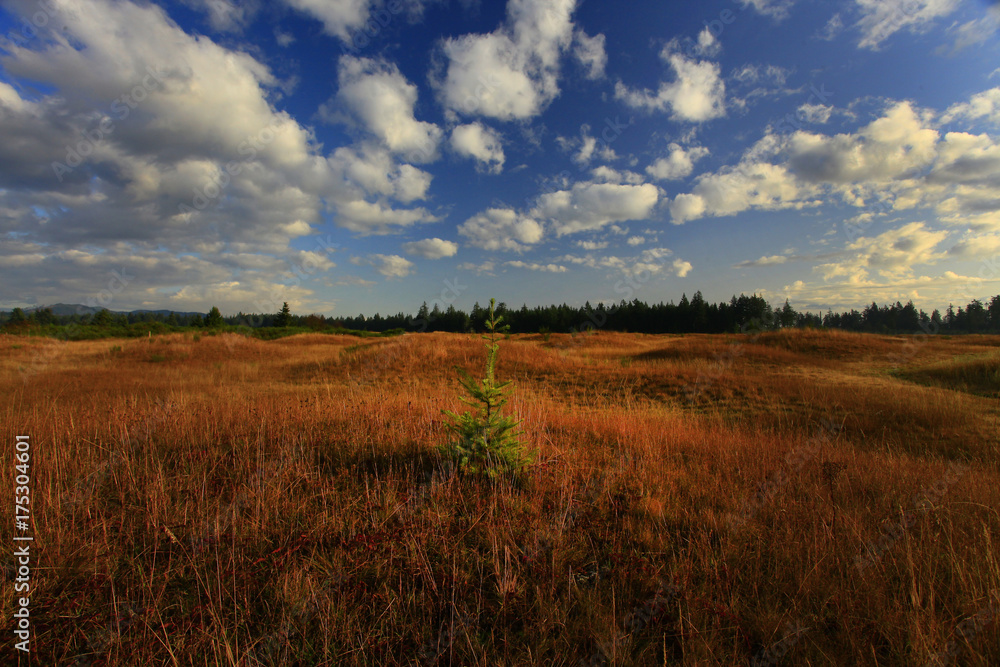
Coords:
226,16
168,170
377,95
480,143
815,113
377,173
880,19
896,158
605,174
390,266
339,17
679,163
512,72
697,93
777,9
501,229
592,245
486,268
368,171
893,254
590,53
832,28
708,46
887,148
636,240
588,147
548,268
589,206
748,185
682,268
367,217
686,207
977,31
434,248
981,105
976,246
763,261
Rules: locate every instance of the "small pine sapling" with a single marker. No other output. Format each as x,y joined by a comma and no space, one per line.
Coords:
487,441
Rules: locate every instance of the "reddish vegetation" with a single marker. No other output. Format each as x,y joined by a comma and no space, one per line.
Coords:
699,500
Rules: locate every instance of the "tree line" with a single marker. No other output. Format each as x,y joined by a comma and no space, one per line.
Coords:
694,315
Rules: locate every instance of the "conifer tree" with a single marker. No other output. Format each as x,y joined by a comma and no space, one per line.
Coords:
283,318
487,441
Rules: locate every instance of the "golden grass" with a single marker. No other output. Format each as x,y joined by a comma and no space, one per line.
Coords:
230,501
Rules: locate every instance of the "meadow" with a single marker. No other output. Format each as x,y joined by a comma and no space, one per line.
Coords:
794,497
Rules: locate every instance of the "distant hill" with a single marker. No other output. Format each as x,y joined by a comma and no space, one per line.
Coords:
62,309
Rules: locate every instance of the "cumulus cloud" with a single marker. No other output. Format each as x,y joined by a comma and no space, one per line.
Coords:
981,105
128,157
390,266
898,159
480,143
589,206
605,174
880,19
679,163
748,185
434,248
379,97
892,254
512,72
976,246
376,172
378,217
651,261
365,180
501,229
681,268
696,94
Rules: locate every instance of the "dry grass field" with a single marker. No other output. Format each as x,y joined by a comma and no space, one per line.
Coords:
799,498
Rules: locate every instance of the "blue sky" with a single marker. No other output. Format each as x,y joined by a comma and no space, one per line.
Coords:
355,156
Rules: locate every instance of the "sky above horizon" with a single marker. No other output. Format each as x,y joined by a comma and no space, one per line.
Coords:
354,156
